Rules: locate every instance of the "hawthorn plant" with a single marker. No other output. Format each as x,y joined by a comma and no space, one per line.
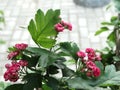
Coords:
44,67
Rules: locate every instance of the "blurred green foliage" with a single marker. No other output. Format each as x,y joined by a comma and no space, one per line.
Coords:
2,22
2,19
116,4
3,85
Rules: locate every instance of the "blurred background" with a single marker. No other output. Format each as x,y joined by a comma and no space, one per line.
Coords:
84,15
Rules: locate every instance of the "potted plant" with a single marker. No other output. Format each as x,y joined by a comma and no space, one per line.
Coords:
37,67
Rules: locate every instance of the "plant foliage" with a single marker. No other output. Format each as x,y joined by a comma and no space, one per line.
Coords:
44,67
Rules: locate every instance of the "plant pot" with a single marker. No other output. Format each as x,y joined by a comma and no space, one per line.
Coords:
92,3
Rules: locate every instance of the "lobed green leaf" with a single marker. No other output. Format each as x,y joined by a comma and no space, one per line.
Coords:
42,28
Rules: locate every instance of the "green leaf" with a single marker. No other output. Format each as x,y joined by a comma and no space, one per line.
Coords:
2,41
33,31
43,61
69,49
48,59
1,12
15,87
105,50
2,18
56,65
53,83
79,83
116,4
46,42
111,77
66,72
45,87
102,29
53,69
116,58
106,23
107,58
11,49
111,37
39,18
3,85
111,44
114,20
33,80
37,51
108,6
70,62
59,62
32,61
42,29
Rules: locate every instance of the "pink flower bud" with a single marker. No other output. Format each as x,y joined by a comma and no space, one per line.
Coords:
6,76
91,56
12,54
89,50
59,27
23,62
7,66
14,77
81,54
90,64
69,26
64,23
21,46
96,72
89,74
98,58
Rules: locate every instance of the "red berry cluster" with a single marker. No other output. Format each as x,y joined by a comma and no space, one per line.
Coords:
88,59
18,48
13,69
63,25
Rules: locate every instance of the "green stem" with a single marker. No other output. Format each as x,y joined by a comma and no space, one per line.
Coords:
117,36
